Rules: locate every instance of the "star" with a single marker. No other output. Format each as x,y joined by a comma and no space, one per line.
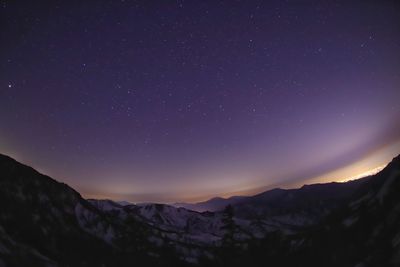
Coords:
196,77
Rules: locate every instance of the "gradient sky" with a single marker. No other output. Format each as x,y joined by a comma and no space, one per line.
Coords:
183,100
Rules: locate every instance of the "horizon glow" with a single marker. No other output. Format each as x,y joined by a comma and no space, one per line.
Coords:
157,102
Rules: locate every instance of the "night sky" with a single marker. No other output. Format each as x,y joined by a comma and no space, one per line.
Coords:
184,100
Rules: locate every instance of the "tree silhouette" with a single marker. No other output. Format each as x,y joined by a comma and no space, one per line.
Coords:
228,225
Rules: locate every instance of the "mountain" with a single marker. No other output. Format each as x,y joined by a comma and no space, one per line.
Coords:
364,231
305,205
214,204
47,223
124,203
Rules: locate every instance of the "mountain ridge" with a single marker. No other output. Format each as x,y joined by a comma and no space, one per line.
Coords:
47,223
219,203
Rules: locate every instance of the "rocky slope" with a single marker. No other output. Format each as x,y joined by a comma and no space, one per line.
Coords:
47,223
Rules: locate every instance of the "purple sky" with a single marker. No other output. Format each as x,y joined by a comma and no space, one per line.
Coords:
182,100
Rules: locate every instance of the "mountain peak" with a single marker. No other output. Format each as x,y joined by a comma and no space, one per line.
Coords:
395,160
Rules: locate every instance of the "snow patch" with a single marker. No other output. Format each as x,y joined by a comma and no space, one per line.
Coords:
350,221
387,185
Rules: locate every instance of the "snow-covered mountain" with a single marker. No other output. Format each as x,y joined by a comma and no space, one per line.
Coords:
47,223
214,204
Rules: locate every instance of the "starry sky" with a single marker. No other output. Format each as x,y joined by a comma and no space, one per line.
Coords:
184,100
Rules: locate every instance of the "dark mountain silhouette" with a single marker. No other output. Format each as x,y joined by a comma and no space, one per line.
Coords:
213,204
365,231
47,223
304,205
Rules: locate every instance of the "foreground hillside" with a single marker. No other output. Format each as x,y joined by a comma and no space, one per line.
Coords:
365,231
47,223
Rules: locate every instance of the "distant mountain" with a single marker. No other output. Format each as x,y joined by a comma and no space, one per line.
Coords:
364,231
293,206
124,203
47,223
306,205
214,204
